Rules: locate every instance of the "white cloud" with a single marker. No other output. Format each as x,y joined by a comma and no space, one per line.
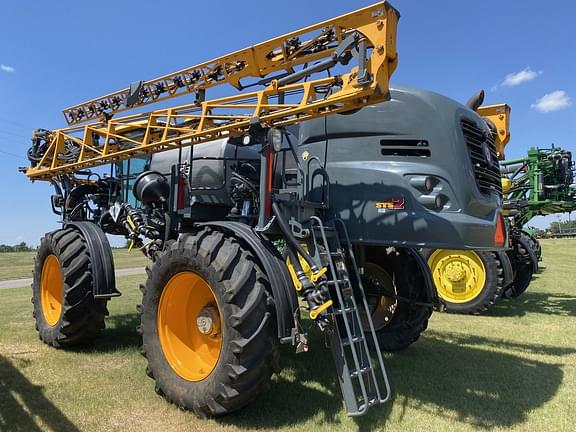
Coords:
6,68
517,78
554,101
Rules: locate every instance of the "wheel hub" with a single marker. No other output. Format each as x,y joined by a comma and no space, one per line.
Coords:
459,276
455,272
208,321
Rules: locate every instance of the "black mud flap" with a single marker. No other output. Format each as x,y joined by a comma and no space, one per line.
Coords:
421,259
102,261
508,272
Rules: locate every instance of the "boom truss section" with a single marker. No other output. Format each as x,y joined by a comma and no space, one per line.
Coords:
363,41
283,53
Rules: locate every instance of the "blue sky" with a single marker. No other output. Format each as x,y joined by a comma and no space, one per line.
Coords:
57,53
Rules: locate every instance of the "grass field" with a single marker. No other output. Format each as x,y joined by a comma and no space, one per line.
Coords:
15,265
512,370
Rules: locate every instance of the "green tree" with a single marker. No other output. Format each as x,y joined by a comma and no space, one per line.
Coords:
21,247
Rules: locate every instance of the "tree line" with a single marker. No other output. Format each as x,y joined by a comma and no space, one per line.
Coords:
20,247
558,227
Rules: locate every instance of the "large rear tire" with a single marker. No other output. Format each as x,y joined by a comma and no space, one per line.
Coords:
467,282
65,310
396,292
206,324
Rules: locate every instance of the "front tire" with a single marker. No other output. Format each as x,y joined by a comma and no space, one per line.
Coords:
217,366
65,310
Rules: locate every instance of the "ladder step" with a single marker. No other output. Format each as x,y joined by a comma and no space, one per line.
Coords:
330,233
343,311
332,254
341,282
370,403
354,340
354,373
327,228
373,401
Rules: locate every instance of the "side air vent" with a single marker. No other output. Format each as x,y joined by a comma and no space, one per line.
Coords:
406,147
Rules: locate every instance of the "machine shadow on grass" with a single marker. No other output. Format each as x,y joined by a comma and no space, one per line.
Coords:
22,402
458,379
446,374
535,302
120,332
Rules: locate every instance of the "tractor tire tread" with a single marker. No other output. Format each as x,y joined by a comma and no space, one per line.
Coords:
245,365
82,315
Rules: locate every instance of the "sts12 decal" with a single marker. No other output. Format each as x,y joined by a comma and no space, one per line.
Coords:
394,203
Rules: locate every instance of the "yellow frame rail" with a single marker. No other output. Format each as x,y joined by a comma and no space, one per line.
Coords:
79,147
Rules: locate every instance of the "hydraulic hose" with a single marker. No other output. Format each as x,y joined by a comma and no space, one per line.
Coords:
314,296
306,284
290,239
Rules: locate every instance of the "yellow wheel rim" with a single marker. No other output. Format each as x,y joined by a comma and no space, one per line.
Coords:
459,276
51,290
189,326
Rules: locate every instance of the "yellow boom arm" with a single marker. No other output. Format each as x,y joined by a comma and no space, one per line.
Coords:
258,61
366,37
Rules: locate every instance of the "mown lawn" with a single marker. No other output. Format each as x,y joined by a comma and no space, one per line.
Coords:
512,370
15,265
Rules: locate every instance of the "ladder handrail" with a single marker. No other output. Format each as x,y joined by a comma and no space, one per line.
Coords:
366,308
341,302
346,307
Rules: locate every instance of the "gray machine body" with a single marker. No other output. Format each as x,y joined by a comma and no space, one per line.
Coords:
375,160
210,166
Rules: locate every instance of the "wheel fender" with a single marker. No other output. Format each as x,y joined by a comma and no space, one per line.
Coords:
420,258
103,279
285,300
508,272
